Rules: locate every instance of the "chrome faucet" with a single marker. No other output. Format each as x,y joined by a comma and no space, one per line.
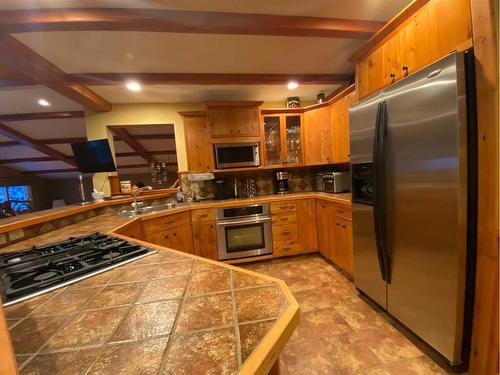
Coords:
134,195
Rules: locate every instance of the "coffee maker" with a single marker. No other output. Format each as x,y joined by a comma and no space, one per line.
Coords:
281,178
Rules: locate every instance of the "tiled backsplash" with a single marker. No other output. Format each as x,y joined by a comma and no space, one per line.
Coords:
300,180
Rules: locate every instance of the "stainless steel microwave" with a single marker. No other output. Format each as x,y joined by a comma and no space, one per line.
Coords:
237,155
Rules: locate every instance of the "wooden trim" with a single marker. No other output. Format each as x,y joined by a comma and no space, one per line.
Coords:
16,56
183,21
233,103
193,113
334,93
108,79
42,116
131,141
484,357
8,362
30,142
388,28
335,96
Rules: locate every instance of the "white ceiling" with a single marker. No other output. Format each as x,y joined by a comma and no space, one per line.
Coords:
153,52
23,99
52,128
199,93
380,10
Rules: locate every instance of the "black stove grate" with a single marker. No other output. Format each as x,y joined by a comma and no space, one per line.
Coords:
33,271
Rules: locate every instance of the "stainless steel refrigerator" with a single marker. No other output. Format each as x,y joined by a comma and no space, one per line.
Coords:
413,168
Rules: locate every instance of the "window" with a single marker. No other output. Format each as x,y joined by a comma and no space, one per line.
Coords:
19,197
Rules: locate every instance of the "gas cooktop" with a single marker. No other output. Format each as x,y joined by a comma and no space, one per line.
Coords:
25,274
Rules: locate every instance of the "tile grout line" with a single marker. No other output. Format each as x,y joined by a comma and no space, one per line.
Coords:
235,319
176,320
106,341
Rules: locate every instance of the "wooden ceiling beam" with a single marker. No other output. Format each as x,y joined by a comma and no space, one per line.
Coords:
66,170
16,56
30,142
42,116
28,160
183,21
126,154
132,142
145,137
112,79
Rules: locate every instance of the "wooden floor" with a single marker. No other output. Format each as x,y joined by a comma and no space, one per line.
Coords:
339,333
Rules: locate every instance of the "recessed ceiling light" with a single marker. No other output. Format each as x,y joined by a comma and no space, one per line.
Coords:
43,102
133,86
292,85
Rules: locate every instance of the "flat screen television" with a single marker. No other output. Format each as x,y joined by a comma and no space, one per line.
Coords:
93,156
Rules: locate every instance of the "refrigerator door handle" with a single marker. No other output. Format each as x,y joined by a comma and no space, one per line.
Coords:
378,198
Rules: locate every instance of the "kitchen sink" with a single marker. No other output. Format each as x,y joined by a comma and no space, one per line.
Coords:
147,209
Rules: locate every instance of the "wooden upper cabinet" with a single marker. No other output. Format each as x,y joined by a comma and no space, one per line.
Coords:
233,119
318,136
436,29
282,139
199,149
340,127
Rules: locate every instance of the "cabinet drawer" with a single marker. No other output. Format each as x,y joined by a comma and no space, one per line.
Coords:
207,214
287,232
288,247
285,218
281,207
342,211
166,222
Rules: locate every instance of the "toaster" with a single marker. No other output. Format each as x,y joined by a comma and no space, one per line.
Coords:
337,182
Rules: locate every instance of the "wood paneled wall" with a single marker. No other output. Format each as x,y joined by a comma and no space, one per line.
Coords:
484,355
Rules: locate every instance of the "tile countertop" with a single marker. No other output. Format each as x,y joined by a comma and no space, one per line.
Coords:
108,222
167,313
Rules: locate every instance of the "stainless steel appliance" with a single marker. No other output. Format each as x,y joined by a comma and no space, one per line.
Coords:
282,186
28,273
244,231
336,182
413,178
237,155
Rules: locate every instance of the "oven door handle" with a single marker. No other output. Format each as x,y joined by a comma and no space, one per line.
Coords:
255,220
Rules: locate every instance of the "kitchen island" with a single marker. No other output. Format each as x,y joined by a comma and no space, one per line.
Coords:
170,312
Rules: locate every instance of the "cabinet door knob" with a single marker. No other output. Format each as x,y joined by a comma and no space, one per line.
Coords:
393,77
405,69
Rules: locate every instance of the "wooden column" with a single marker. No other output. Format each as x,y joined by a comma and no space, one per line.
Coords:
484,353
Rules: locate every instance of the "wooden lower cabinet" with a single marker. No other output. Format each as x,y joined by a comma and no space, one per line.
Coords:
132,230
205,240
323,209
335,234
178,238
307,225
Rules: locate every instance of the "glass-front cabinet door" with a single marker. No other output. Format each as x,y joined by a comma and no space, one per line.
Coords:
293,139
283,139
272,139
